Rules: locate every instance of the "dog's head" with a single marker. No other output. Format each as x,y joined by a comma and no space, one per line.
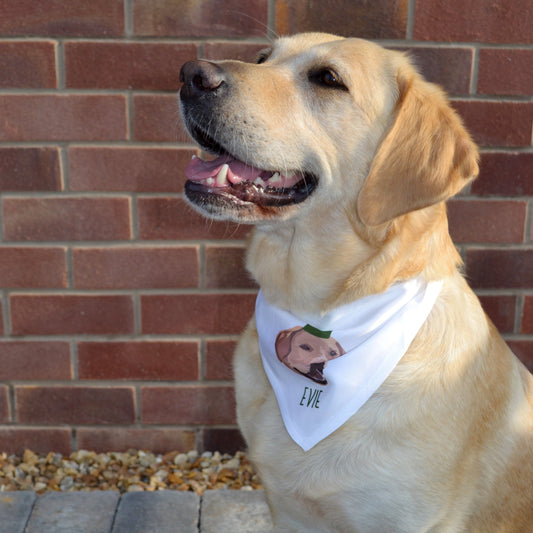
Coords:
307,351
319,116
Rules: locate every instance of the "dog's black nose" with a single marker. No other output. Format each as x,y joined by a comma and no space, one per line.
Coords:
200,78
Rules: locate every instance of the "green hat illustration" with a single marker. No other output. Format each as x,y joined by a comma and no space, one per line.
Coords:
317,332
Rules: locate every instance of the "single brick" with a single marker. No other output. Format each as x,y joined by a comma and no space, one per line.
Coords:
98,18
500,269
219,360
4,404
188,404
240,51
81,511
40,440
505,71
33,267
225,440
450,68
30,169
117,65
505,174
70,314
148,360
501,310
172,218
172,511
224,512
224,268
200,18
380,19
62,117
75,405
137,268
523,349
15,510
527,316
156,118
476,221
128,169
28,65
196,314
66,219
34,360
501,21
497,123
157,440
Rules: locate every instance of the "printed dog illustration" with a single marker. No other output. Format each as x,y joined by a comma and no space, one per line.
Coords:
307,350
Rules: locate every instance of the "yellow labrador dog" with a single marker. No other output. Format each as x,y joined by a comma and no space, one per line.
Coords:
342,157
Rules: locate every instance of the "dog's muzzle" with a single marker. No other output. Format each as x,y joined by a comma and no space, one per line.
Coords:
227,186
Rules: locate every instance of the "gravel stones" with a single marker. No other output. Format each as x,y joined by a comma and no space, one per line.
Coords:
131,471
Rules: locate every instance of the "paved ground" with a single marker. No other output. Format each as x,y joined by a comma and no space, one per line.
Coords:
217,511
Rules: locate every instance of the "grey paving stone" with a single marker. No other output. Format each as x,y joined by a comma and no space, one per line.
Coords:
74,512
15,509
162,511
231,511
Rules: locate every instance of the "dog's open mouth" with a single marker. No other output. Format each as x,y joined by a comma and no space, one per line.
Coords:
315,373
228,176
229,180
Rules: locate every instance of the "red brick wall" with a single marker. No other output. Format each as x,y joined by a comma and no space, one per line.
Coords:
119,307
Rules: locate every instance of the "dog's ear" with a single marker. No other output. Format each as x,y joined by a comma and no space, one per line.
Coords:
341,350
425,158
284,340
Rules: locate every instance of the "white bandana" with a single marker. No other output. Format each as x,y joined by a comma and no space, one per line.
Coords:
324,368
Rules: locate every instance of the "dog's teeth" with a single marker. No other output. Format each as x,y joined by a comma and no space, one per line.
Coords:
276,178
259,181
222,176
210,181
194,157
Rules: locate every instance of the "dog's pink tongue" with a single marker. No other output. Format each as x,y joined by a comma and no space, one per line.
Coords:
198,170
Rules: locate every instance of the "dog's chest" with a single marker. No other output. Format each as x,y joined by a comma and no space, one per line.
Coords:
344,488
351,479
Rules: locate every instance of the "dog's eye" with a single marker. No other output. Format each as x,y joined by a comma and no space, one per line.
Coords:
327,78
262,56
305,347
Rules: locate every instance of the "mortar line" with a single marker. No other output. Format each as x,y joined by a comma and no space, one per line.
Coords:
12,406
519,311
137,316
3,309
128,18
271,20
528,232
200,504
25,527
410,20
7,314
137,397
74,359
2,196
60,65
474,74
202,350
134,219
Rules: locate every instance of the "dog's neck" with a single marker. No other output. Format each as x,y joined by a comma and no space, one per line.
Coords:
305,268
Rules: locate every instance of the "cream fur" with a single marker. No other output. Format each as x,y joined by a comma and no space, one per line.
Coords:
446,444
